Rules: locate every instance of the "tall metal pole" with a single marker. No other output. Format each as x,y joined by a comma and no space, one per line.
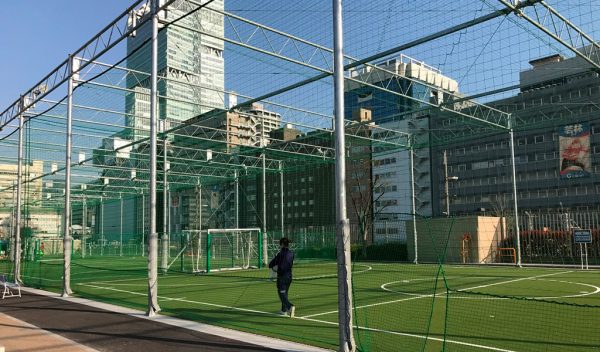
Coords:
281,212
446,190
153,306
12,219
17,253
165,237
514,184
237,211
102,240
237,199
121,225
413,198
143,224
346,338
199,208
84,228
264,192
67,209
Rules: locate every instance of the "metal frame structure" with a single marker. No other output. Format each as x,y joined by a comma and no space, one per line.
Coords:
277,157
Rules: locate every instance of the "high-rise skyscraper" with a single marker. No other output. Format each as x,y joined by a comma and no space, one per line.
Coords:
190,66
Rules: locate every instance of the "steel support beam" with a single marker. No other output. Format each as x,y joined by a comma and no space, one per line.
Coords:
153,306
344,265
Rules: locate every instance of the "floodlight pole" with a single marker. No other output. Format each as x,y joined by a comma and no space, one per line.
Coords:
153,306
514,185
17,253
413,201
346,338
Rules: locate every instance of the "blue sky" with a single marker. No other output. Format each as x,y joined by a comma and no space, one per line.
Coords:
37,35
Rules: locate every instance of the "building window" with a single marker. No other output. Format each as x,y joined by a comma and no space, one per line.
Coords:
539,139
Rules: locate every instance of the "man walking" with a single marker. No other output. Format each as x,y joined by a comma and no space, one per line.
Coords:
283,262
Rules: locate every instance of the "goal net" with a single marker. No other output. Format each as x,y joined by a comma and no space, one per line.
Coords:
218,249
228,249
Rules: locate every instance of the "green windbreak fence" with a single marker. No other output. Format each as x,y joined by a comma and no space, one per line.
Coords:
471,150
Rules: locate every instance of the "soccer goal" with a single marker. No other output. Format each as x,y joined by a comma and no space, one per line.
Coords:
219,249
230,249
191,251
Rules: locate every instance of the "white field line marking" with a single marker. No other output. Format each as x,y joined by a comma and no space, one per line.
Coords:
250,280
307,319
313,320
182,299
415,336
442,293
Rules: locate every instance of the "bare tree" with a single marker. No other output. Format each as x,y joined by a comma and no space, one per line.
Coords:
364,196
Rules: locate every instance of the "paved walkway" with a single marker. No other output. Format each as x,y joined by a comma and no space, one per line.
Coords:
18,336
42,321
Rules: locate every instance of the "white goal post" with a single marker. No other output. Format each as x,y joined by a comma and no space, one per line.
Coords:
230,249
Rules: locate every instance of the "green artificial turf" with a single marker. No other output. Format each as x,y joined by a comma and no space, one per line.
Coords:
398,307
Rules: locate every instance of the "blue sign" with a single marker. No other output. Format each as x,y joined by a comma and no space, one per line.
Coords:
582,236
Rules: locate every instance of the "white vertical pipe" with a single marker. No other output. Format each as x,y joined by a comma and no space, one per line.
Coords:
264,192
84,228
281,212
514,185
102,241
121,225
237,199
346,339
17,253
165,237
413,198
143,224
67,208
153,306
446,190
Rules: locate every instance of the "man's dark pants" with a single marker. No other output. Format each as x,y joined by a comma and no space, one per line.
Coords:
283,286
